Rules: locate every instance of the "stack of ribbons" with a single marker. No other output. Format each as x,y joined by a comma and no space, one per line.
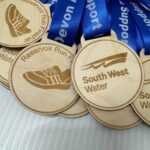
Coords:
74,57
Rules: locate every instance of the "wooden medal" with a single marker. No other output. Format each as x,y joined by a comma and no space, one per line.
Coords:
116,119
79,109
107,74
40,78
23,22
142,104
6,58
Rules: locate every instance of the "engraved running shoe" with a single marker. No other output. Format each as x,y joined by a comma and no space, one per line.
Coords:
51,78
16,21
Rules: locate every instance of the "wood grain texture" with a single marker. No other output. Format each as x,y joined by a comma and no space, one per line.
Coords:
113,36
118,119
7,56
23,22
72,49
40,78
142,105
47,7
107,74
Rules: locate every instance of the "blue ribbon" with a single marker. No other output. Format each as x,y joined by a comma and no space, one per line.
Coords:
66,21
48,1
145,2
43,1
142,19
96,19
108,1
139,39
52,8
123,25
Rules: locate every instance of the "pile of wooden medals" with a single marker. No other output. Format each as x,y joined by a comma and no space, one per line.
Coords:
46,77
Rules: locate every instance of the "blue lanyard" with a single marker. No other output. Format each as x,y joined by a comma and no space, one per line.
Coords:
66,20
96,19
146,3
123,25
142,19
48,1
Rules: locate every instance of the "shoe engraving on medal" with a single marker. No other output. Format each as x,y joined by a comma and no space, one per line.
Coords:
106,62
44,71
17,23
52,78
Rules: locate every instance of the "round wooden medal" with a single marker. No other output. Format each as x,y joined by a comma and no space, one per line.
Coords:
40,78
107,74
117,119
142,104
23,22
6,58
79,109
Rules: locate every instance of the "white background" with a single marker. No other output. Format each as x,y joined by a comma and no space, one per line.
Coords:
23,130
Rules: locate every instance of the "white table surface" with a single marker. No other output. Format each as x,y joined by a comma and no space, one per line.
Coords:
23,130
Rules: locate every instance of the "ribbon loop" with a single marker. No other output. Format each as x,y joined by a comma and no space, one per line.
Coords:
66,21
96,20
